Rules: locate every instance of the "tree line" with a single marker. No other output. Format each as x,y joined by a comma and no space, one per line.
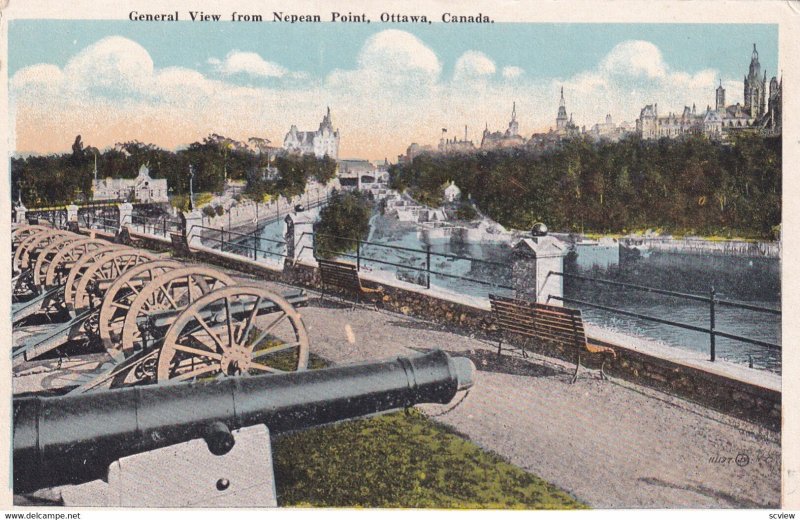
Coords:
65,178
692,185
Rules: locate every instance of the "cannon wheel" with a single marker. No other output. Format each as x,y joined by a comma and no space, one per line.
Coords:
222,334
107,267
23,232
71,254
174,290
120,295
81,266
48,254
34,243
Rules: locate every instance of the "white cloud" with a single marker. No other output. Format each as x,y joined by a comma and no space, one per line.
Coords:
512,72
114,63
250,63
393,50
634,58
393,94
473,64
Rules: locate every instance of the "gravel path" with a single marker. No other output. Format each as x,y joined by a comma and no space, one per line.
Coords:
611,444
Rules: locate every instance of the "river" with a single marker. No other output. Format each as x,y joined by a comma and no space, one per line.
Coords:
755,281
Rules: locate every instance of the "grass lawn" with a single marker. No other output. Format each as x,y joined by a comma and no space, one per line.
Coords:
402,460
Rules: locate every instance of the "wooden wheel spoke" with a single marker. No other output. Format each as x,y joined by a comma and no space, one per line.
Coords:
196,372
208,330
204,339
168,297
131,287
249,323
272,350
265,368
229,320
197,351
270,328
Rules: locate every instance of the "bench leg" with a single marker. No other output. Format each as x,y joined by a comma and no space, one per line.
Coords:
499,346
603,375
577,368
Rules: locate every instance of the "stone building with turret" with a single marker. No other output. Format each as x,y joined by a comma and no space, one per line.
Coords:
756,114
507,139
324,141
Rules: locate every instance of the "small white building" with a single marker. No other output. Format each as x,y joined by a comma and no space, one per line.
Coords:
452,192
144,188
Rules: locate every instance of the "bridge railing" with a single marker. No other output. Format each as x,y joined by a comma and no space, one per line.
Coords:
711,300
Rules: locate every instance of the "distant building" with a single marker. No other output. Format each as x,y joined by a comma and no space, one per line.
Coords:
452,192
508,139
758,113
609,131
564,126
354,166
143,188
413,150
455,145
324,141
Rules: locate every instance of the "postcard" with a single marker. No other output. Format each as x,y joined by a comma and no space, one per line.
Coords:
402,255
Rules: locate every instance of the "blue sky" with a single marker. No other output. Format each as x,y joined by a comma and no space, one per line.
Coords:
404,81
547,50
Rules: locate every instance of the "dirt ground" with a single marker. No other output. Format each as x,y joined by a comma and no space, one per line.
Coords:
611,444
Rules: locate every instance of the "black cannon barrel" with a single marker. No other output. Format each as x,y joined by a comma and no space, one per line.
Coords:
72,439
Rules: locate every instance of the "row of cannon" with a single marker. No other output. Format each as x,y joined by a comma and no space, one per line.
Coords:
159,319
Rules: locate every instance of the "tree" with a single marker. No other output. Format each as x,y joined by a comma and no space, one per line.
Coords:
342,223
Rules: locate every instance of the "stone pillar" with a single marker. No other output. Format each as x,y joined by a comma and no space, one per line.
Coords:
20,212
533,260
299,241
125,214
194,219
72,213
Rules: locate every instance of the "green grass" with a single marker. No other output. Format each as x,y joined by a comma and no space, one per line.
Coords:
402,460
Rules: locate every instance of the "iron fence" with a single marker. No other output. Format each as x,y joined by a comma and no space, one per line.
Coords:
711,300
244,244
426,270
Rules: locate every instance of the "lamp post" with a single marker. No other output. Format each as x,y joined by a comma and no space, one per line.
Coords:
191,188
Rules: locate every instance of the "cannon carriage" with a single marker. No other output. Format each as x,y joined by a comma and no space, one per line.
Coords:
122,300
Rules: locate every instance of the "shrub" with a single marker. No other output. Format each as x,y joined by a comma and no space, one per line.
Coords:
465,211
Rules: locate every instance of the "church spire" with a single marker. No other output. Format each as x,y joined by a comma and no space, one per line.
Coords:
514,111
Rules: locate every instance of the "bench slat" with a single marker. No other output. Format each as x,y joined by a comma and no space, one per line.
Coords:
560,325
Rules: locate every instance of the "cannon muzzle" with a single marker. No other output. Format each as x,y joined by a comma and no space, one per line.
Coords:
73,439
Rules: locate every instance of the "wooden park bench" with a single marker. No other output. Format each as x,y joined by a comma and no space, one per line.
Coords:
547,323
344,278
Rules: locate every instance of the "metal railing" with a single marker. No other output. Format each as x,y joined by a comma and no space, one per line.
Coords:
711,300
161,225
427,271
244,244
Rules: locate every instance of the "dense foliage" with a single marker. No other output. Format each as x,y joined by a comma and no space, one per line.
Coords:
343,222
687,186
59,179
